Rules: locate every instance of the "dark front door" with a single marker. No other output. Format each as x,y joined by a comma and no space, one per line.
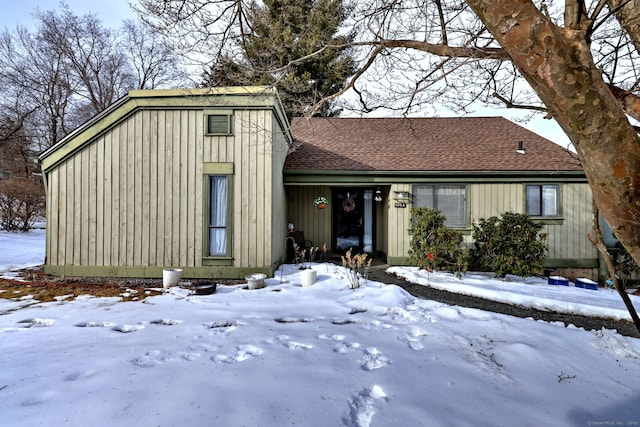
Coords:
352,219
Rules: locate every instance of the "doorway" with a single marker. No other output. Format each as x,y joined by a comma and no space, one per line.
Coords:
353,219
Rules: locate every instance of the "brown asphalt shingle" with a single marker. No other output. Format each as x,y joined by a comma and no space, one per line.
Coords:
423,144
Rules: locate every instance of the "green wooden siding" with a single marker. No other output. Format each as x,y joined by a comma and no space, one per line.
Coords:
566,236
315,223
399,224
278,196
128,197
134,196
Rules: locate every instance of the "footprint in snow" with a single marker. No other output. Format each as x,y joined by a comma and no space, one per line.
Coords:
125,329
38,398
373,359
363,406
292,320
225,327
80,375
158,357
414,336
346,347
203,347
95,325
334,337
244,352
342,346
36,322
293,345
166,322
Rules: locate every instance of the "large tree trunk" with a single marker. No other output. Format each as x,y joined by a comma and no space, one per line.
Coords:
558,64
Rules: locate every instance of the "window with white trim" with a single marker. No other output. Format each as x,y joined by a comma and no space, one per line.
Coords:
218,215
449,199
542,200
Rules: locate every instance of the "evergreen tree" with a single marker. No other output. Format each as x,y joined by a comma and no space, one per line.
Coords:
283,32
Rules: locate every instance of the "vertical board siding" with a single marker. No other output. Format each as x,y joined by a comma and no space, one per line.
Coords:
132,197
399,224
278,209
162,188
153,194
144,171
315,223
249,149
493,199
566,240
98,160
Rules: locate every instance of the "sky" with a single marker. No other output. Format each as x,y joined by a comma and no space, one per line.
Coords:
113,12
322,355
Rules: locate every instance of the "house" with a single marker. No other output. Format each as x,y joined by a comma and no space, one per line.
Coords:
170,178
373,170
208,180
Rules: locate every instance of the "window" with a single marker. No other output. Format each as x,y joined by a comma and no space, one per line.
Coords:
218,124
449,199
542,200
218,218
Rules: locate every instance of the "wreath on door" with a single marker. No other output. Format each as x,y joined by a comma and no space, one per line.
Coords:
349,204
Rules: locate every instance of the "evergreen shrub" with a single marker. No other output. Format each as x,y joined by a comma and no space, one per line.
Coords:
433,246
511,244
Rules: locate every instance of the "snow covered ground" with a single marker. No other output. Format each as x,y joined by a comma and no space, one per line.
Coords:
323,355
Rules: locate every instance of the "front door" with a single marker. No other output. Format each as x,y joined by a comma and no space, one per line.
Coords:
352,220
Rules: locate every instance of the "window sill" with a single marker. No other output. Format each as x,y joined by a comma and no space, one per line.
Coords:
550,220
223,260
462,230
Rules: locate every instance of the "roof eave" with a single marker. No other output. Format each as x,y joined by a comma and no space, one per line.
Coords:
329,177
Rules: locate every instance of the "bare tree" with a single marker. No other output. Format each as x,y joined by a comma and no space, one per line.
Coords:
72,67
575,61
37,86
100,72
22,198
151,57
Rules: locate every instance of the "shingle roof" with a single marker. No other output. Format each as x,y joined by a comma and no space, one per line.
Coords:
422,144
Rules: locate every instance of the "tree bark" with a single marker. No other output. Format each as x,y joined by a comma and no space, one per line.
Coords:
558,64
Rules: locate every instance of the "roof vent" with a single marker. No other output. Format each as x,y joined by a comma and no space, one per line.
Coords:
520,149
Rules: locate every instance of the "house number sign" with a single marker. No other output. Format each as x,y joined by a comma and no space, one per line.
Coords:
400,204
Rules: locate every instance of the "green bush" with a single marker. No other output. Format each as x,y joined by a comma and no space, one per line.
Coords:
434,246
511,244
626,267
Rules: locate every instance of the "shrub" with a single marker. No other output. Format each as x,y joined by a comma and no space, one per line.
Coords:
434,246
22,202
511,244
626,267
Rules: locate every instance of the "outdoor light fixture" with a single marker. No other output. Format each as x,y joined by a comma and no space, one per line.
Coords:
402,195
520,147
378,197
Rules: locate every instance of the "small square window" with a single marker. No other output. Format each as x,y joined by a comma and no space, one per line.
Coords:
219,124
